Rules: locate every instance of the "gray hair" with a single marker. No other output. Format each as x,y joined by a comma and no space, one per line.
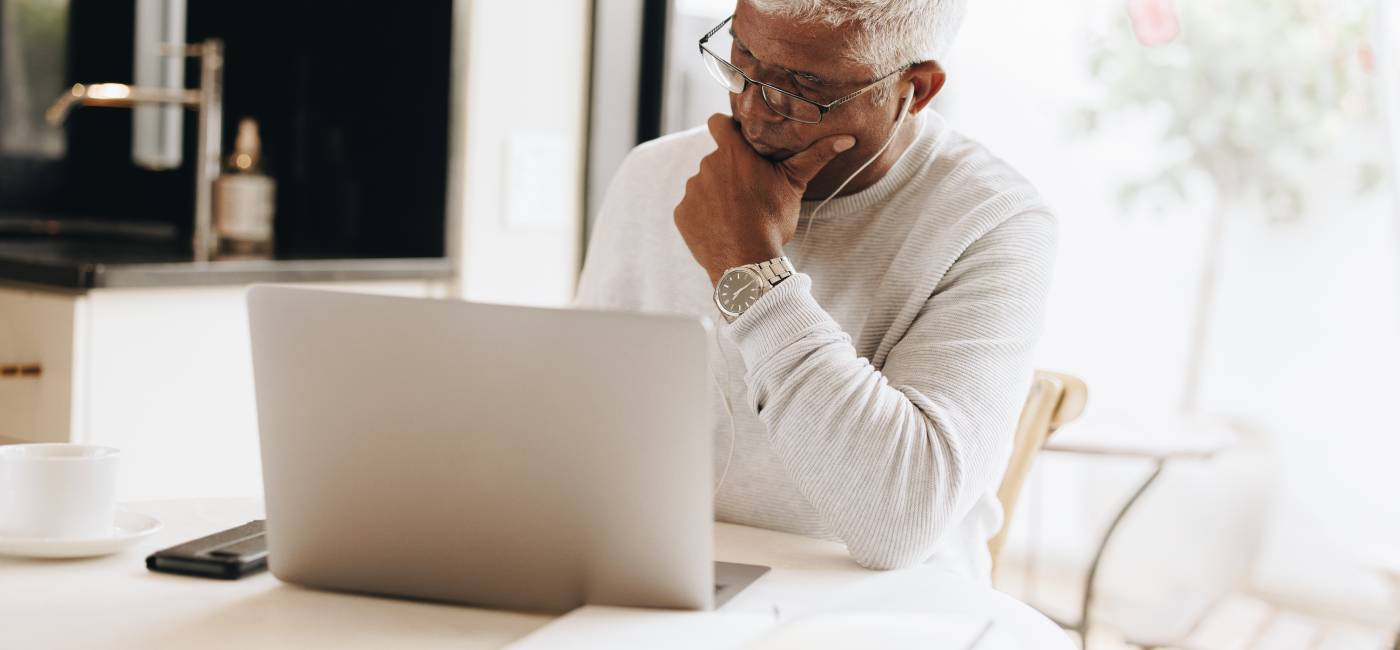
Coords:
892,33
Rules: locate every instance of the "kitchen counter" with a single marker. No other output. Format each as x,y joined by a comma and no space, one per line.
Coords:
76,264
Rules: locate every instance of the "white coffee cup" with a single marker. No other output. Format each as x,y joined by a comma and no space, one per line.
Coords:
57,490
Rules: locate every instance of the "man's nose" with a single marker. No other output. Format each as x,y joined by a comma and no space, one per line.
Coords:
752,106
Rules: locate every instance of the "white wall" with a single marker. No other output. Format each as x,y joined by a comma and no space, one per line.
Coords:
524,106
1305,337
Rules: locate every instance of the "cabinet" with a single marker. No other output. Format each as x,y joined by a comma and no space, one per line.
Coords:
164,374
37,328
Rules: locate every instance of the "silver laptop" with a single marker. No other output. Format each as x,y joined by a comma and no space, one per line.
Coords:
511,457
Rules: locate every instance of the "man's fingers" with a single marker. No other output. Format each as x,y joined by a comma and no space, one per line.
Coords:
803,166
723,128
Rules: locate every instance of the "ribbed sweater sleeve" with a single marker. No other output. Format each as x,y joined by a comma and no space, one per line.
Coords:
893,457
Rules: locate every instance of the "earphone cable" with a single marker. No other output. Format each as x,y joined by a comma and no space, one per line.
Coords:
903,106
728,410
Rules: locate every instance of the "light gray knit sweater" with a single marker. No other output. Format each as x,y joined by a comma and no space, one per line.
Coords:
876,391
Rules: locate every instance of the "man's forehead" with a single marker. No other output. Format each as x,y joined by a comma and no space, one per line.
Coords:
811,50
811,74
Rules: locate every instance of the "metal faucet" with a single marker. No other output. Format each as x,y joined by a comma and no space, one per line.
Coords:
207,100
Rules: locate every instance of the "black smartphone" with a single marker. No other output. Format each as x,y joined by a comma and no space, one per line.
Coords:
229,554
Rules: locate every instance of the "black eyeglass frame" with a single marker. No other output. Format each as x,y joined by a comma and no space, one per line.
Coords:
822,109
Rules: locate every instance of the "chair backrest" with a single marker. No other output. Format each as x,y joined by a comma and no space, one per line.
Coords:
1055,399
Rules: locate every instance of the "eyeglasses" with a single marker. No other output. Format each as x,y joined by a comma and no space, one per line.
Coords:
791,106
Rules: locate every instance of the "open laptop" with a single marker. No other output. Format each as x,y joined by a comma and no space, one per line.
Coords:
498,456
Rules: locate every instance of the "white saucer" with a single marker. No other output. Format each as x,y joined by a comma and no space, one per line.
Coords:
128,528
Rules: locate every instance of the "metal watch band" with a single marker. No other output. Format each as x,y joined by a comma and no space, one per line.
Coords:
775,270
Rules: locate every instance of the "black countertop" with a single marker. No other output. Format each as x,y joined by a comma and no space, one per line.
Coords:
81,263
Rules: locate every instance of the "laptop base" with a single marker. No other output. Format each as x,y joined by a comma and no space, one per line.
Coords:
732,578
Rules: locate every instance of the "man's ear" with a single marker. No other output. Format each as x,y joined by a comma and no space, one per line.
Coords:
927,78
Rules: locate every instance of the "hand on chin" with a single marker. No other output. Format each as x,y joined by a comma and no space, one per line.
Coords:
741,206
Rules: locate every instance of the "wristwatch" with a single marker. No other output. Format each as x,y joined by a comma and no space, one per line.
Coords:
740,287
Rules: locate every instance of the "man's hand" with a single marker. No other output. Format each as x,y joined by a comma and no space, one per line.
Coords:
741,207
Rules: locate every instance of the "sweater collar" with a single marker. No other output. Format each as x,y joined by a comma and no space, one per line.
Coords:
931,127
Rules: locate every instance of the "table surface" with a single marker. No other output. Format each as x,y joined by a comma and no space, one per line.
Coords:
114,602
1141,436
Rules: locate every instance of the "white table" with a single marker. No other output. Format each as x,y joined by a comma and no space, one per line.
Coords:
114,602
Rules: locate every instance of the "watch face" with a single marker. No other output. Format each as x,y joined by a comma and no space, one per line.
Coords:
738,289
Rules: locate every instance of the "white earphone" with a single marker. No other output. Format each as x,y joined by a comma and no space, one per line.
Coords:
728,408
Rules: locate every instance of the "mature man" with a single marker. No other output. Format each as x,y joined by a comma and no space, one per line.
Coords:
877,353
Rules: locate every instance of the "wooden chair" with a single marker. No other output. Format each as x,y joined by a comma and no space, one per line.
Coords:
1055,399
